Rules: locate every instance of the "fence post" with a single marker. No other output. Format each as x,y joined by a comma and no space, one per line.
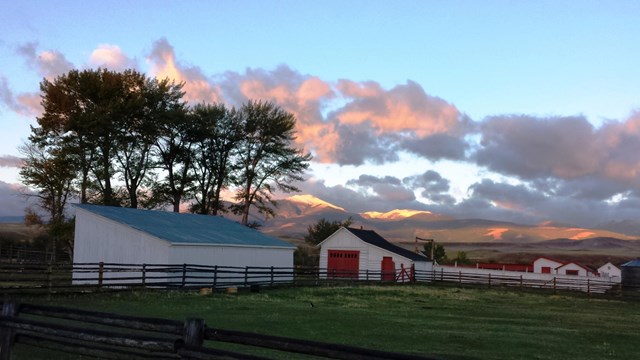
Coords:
441,274
489,279
215,276
246,276
272,276
366,275
521,281
184,275
554,284
7,336
100,274
460,276
49,280
193,332
413,273
144,275
588,287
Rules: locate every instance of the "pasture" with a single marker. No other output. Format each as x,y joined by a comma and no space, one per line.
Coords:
431,320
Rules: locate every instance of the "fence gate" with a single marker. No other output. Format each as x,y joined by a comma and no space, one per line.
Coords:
343,263
388,269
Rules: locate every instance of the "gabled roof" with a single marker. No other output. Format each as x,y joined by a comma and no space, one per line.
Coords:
548,258
186,229
578,265
371,237
632,263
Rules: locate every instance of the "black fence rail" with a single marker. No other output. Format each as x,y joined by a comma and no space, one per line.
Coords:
119,336
85,277
16,254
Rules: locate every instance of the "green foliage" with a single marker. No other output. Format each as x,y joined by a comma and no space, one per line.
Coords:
461,258
306,256
324,228
439,254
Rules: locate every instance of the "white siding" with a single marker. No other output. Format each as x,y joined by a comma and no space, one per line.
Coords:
98,239
230,256
609,270
370,256
539,263
573,266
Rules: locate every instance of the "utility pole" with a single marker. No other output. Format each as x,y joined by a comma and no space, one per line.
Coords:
433,244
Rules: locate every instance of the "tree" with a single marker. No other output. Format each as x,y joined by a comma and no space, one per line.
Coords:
461,258
324,228
217,140
105,122
267,159
51,174
439,253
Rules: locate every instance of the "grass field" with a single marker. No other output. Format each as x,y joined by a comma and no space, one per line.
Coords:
437,321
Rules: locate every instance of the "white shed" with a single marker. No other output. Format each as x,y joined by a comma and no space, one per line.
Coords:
357,253
133,236
609,270
543,265
572,268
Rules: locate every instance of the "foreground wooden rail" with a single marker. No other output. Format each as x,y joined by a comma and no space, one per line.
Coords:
146,338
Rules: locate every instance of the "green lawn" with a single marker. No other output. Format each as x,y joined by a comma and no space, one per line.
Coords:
443,322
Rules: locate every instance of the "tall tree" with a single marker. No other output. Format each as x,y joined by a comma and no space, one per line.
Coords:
173,152
268,161
218,137
105,119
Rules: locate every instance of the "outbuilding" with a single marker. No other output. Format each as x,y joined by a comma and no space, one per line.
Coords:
545,265
574,269
631,275
133,236
609,270
364,254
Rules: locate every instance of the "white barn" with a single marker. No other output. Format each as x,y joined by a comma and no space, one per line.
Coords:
543,265
609,270
574,269
363,254
133,236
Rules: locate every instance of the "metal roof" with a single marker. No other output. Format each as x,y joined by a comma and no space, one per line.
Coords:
182,229
372,237
632,263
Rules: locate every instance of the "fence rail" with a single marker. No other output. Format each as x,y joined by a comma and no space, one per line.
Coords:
83,277
141,337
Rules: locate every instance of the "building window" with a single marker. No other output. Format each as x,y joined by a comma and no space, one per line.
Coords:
546,270
572,272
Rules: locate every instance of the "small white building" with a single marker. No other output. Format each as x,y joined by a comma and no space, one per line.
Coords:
609,270
133,236
574,269
363,254
543,265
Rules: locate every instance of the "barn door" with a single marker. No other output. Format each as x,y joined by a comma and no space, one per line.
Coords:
343,263
388,269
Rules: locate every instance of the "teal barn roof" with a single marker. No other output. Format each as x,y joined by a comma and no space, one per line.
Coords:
178,228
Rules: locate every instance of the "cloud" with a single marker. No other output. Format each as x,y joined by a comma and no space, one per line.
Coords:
10,161
12,199
435,187
111,57
48,63
26,104
197,86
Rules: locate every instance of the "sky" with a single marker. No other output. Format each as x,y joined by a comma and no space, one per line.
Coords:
502,110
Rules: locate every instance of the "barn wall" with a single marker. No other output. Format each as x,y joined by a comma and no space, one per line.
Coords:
98,239
231,256
572,266
542,262
235,256
370,256
609,270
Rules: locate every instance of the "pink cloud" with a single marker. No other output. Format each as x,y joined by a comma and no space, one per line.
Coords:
112,57
48,63
164,65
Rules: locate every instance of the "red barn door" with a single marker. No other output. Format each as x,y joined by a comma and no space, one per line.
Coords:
388,269
343,263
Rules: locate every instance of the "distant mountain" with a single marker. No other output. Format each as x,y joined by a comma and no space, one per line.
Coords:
296,213
12,219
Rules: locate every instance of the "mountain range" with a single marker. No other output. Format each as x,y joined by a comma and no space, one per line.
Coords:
296,213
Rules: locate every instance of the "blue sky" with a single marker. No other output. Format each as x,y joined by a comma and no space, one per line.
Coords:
460,107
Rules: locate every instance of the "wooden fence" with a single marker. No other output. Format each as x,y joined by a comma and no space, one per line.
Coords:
113,336
82,277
